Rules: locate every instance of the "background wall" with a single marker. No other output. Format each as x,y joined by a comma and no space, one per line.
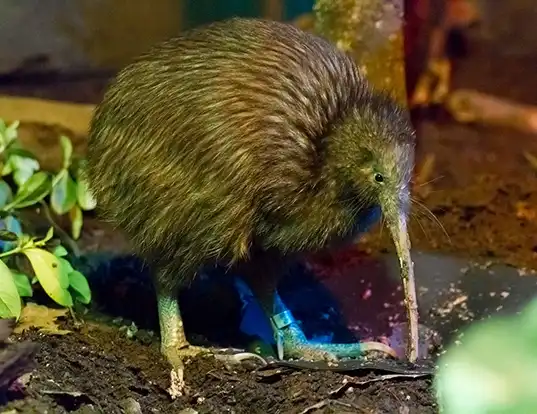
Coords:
74,35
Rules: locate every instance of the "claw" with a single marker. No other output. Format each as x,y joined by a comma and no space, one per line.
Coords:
241,356
176,356
177,383
378,347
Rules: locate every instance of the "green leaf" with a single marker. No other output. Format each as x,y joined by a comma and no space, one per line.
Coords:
67,150
32,191
7,169
77,220
63,196
52,275
22,282
25,240
23,168
10,301
60,251
9,236
56,179
49,235
84,197
11,225
79,285
65,263
6,194
21,176
21,152
22,161
11,132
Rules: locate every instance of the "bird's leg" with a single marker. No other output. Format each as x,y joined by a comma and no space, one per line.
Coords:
262,278
173,342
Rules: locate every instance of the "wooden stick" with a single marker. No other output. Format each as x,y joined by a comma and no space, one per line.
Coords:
469,106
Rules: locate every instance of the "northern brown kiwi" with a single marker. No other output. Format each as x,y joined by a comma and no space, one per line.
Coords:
247,143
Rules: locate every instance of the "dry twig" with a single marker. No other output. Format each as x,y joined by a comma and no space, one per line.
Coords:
469,106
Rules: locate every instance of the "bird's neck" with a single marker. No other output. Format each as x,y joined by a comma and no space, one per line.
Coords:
331,215
316,219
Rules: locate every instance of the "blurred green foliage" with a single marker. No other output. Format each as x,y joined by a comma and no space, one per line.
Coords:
494,368
26,259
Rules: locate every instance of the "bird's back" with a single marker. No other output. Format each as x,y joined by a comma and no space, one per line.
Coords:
198,133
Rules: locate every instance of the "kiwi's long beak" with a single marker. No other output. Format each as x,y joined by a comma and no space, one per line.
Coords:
397,224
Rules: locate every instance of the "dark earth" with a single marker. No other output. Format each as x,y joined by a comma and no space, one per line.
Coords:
482,191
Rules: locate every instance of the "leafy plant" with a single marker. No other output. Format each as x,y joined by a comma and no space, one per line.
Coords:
493,370
23,185
70,192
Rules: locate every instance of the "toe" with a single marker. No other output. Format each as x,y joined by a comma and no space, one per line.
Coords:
189,351
239,358
368,347
310,352
177,383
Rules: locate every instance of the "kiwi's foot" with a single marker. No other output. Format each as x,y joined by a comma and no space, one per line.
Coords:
176,357
239,357
292,343
191,351
177,383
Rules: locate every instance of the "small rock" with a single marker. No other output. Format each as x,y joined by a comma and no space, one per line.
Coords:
87,409
131,406
144,336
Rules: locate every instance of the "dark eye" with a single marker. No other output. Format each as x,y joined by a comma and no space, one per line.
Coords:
379,178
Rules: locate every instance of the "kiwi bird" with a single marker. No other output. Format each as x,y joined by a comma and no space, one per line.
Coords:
247,143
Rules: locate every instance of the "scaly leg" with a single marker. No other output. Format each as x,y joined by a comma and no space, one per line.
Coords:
262,277
293,343
173,342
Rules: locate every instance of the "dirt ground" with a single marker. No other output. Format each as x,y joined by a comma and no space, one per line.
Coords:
483,193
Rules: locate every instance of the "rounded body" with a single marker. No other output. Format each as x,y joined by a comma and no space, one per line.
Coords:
214,143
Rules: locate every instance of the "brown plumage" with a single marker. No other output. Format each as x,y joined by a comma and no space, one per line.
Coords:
244,137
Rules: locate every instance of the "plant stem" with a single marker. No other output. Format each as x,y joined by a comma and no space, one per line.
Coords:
10,252
63,235
8,207
73,315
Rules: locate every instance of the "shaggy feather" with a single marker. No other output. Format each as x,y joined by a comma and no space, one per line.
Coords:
243,134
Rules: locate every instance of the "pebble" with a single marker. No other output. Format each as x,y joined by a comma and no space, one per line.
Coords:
131,406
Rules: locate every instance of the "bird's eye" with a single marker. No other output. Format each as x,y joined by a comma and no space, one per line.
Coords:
379,178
